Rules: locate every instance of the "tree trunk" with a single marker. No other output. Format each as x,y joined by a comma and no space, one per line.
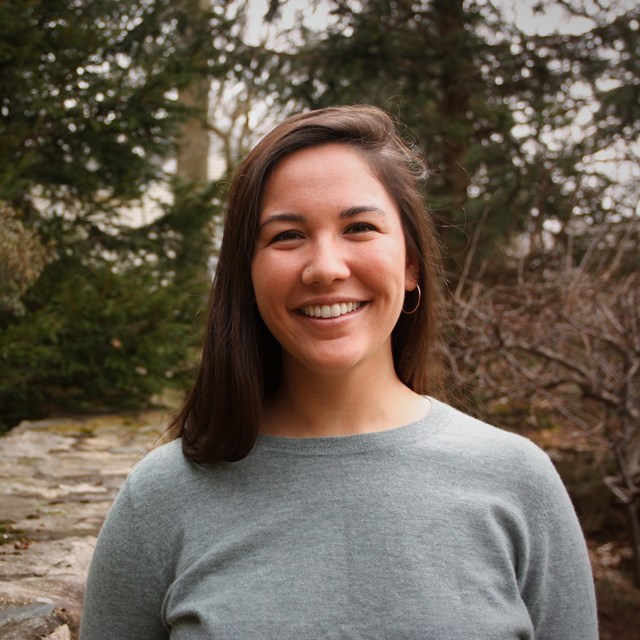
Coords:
192,157
456,83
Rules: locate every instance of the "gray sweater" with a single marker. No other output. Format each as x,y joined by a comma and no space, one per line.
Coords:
444,529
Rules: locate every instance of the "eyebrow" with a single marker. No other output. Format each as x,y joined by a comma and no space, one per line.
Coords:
282,217
365,208
350,212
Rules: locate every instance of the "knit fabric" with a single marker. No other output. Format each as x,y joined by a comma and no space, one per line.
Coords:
444,529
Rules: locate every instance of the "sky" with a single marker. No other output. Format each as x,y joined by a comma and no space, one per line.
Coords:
554,19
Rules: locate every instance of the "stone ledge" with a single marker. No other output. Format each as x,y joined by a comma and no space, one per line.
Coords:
57,481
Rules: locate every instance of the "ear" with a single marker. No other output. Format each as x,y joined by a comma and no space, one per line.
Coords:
411,274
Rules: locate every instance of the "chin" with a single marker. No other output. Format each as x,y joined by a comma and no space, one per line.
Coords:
338,363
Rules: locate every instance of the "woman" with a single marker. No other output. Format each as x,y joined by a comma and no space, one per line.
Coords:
314,488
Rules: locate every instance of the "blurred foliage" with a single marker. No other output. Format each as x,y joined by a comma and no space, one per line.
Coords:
88,95
96,312
110,329
510,122
22,258
91,341
521,131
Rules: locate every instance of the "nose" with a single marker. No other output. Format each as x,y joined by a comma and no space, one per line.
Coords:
327,263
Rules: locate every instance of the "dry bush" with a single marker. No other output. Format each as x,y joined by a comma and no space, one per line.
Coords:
564,342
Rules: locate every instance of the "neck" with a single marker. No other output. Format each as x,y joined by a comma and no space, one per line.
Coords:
314,405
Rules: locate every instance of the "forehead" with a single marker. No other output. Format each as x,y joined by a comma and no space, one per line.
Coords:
331,170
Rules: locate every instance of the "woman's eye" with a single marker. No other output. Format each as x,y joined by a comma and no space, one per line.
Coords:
360,227
285,236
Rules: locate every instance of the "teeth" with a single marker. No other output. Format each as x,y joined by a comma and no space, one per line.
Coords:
330,311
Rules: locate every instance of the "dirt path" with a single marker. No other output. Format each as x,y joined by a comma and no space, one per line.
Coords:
57,481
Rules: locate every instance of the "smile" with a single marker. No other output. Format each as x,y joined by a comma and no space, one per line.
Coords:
330,310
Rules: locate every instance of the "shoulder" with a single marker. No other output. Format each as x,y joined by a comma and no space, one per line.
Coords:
166,481
160,467
162,462
464,428
489,450
162,478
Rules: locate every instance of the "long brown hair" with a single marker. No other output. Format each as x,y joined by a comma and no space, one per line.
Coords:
241,362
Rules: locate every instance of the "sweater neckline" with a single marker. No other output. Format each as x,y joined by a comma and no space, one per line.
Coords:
397,436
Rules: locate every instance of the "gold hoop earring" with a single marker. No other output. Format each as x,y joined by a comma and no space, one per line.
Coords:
417,303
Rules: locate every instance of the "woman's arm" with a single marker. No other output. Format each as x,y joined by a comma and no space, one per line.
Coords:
557,584
124,592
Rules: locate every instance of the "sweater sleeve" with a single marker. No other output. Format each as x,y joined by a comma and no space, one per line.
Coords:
124,594
557,584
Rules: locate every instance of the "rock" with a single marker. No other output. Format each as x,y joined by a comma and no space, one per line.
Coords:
24,612
61,633
57,481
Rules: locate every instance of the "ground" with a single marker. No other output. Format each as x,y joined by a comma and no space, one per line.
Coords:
583,461
618,597
58,478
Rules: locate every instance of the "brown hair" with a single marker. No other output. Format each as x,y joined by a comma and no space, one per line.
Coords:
241,362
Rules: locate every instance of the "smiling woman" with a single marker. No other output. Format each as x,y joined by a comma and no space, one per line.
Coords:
315,487
331,238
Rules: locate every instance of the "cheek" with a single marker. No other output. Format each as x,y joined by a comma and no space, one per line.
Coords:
386,261
272,276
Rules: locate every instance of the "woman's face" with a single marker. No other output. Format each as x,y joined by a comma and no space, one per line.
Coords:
330,268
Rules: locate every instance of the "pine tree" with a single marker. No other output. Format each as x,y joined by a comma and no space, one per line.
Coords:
88,120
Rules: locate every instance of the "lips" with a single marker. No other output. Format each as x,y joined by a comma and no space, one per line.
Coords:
330,310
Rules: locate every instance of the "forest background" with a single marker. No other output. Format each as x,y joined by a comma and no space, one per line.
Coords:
120,123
